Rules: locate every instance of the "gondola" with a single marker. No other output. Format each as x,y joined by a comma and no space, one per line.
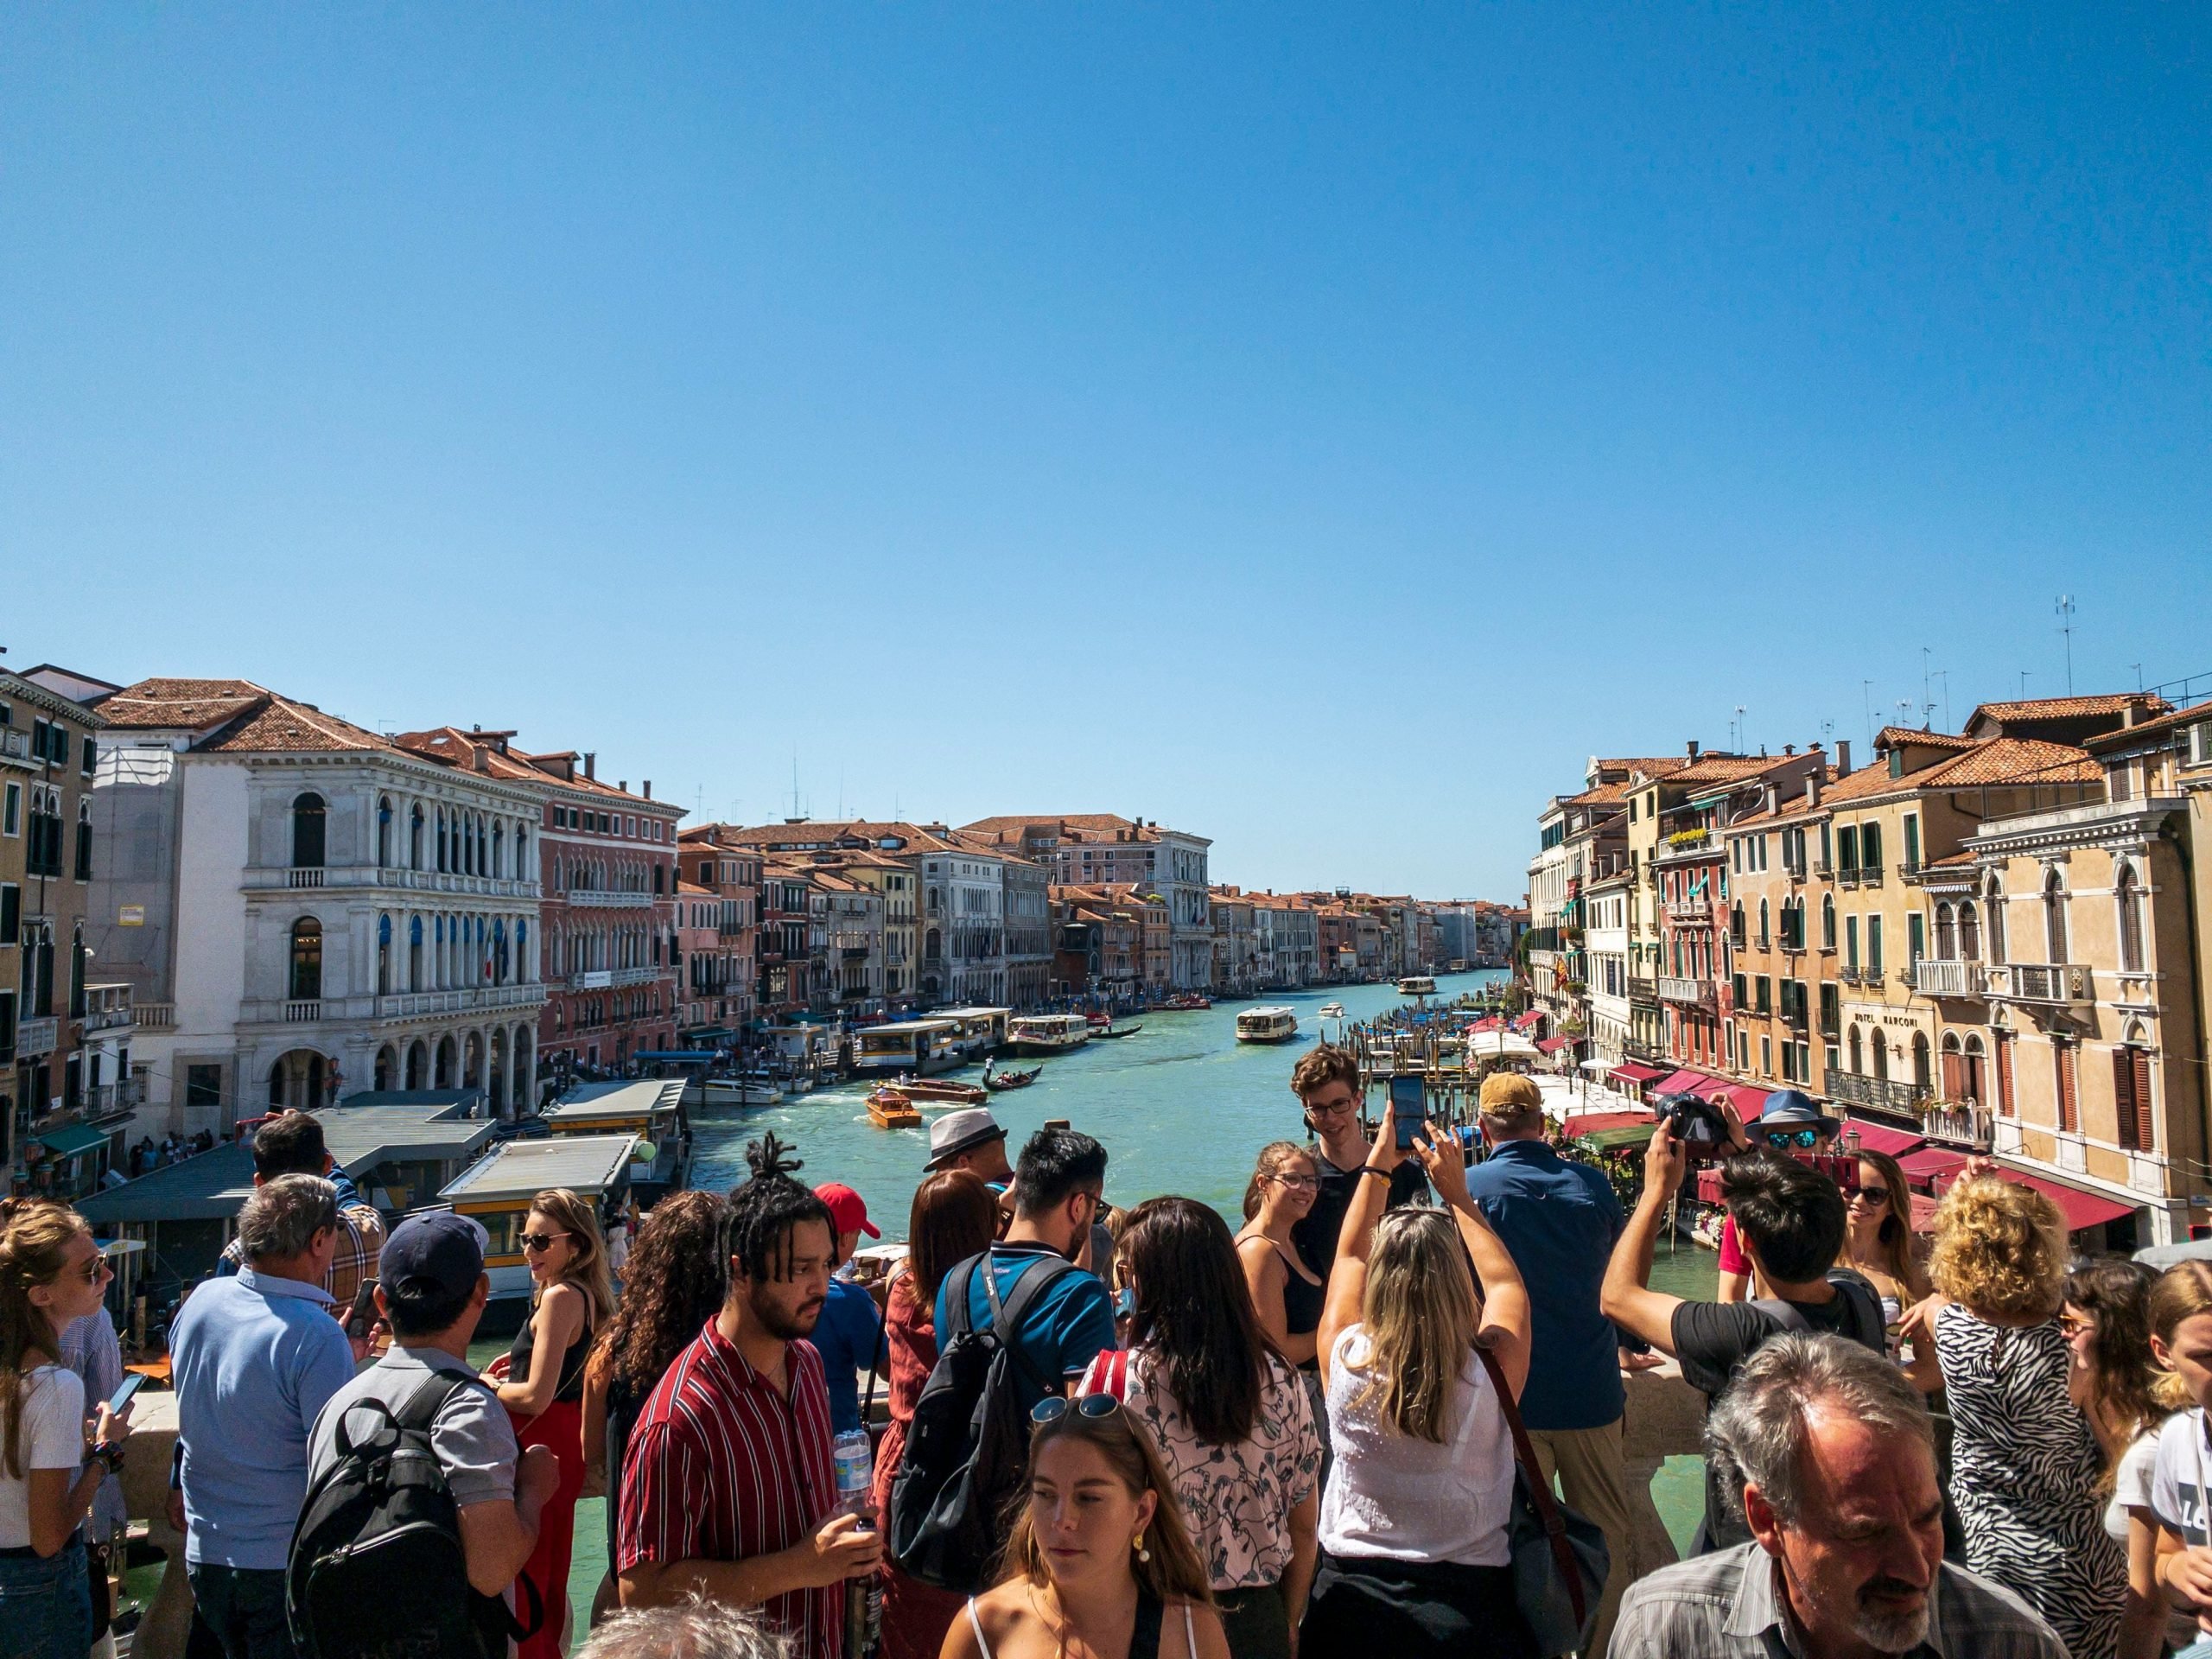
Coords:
1100,1033
1004,1080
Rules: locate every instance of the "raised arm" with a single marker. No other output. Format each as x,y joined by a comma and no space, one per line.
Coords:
1504,1327
1626,1299
1348,1273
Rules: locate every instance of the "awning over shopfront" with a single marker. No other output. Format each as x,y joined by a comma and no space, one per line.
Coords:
1634,1072
1489,1022
71,1139
1550,1045
1931,1163
1880,1137
2081,1209
1748,1099
1680,1083
1584,1123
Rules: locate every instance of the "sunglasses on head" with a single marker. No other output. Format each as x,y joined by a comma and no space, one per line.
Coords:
1055,1406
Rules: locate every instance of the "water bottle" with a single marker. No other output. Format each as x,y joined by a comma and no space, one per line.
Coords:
856,1465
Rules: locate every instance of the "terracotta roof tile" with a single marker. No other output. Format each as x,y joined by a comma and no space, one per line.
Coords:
2013,761
2129,734
191,705
2065,707
1890,736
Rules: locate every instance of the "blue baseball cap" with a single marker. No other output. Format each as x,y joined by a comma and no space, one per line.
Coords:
438,1249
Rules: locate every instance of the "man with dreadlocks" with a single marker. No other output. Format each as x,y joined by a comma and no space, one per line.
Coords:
729,1489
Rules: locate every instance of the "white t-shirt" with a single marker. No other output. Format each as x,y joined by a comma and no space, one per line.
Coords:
1389,1495
53,1428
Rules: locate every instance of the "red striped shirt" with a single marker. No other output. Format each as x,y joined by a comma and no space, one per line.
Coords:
723,1468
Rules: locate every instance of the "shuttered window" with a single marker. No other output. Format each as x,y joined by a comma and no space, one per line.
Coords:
2004,1073
2061,1060
2131,1088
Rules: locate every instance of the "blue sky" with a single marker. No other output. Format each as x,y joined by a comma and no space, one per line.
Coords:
1320,429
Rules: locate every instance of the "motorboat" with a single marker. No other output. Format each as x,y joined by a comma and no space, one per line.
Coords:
887,1109
1332,1011
748,1089
1268,1025
1417,985
1042,1035
938,1091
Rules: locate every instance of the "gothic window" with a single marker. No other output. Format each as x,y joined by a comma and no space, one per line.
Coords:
384,955
1827,921
1969,931
1993,899
414,836
2129,898
2054,918
1947,933
307,816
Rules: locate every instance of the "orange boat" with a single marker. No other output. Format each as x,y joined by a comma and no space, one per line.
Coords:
889,1109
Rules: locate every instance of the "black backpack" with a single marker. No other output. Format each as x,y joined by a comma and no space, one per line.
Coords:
376,1569
968,1445
1864,1325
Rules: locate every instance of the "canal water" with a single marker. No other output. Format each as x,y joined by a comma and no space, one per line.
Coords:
1181,1107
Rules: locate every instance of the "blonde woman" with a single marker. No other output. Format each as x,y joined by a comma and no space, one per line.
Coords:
1287,1299
1415,1558
51,1273
2026,1471
572,1296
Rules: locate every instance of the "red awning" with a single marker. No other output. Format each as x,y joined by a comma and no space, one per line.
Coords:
1535,1016
1550,1045
1489,1022
1594,1122
1708,1184
2082,1209
1682,1083
1931,1163
1880,1137
1630,1072
1748,1099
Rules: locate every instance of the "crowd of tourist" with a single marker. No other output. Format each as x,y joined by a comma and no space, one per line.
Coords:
1347,1427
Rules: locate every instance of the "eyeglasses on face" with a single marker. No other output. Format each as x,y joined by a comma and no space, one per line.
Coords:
1055,1406
1874,1194
95,1270
1303,1183
536,1242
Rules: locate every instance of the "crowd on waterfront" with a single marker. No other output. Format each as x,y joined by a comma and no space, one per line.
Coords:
1129,1430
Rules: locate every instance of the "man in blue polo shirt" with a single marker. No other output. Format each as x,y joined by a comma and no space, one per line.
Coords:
1058,1187
1561,1220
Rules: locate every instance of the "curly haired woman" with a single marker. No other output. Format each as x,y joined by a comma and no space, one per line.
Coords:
2025,1468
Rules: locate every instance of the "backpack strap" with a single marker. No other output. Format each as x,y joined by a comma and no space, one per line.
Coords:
1036,1279
957,1314
429,1398
1785,1314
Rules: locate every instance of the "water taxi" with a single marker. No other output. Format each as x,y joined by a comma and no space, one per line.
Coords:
1044,1034
916,1047
887,1109
746,1088
940,1092
977,1032
652,1111
496,1190
1417,985
1332,1011
1270,1025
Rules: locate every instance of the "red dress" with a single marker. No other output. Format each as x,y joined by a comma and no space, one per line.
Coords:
915,1615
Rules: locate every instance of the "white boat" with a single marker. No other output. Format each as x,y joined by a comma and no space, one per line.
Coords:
1332,1011
1417,985
752,1089
1270,1024
916,1046
1033,1035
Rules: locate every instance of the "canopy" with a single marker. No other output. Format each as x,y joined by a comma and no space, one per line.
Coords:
1931,1163
1550,1045
1624,1135
1880,1137
1748,1099
1688,1082
1634,1072
73,1138
1584,1123
1487,1022
2082,1209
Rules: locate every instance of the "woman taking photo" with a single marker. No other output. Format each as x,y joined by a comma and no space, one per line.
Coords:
2025,1470
1230,1415
954,1216
1415,1558
51,1273
542,1386
1098,1562
678,1275
1877,1241
1285,1295
2106,1321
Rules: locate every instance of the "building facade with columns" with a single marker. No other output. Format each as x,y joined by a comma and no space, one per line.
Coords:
305,909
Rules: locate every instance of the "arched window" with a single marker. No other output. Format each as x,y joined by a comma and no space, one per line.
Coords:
499,849
414,836
1881,1056
522,852
384,955
1970,1070
1736,924
384,831
414,953
1947,934
84,840
522,953
1992,897
2128,895
1827,921
442,865
1764,935
307,832
1969,931
307,960
2054,918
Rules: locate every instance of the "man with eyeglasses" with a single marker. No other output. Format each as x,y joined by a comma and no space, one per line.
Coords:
1327,1083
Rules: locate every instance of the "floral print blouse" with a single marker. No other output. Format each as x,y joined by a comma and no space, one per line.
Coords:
1236,1499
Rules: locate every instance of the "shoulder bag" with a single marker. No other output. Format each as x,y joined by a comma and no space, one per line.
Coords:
1559,1558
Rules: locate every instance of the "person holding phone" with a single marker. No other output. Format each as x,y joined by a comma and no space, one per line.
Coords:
51,1275
1327,1083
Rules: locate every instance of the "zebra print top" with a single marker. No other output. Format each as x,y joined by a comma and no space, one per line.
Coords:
2024,1471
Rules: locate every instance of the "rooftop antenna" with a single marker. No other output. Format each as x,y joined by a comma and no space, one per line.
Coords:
2066,627
1927,703
1737,741
1944,674
1866,697
794,780
2024,685
1904,711
2138,667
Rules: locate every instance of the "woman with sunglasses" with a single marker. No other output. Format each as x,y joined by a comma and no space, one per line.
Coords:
1416,1559
1098,1563
572,1294
1230,1415
1877,1239
51,1275
1280,1194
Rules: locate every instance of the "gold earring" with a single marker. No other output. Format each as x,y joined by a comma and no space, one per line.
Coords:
1143,1554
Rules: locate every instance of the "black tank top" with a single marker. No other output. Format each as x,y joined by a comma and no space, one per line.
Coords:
1301,1300
571,1385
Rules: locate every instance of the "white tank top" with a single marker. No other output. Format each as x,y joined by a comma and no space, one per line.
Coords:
1411,1500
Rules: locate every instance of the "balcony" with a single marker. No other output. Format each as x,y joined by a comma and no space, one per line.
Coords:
1935,977
285,878
1848,974
36,1037
154,1016
1689,910
1870,875
474,998
107,1007
1882,1094
2058,983
1967,1126
1690,993
1847,876
596,899
107,1101
304,1011
1644,992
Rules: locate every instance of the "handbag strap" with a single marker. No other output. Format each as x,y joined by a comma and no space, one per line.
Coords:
1540,1490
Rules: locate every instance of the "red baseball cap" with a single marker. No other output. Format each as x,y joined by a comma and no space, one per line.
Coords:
847,1208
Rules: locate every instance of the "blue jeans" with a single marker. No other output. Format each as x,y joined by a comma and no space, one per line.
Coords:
45,1607
244,1607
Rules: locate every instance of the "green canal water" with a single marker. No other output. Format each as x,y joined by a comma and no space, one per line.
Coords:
1181,1107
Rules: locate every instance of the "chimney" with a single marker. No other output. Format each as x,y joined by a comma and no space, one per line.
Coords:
649,789
624,786
1774,798
2130,715
1842,756
1813,787
479,757
591,763
1693,748
1789,748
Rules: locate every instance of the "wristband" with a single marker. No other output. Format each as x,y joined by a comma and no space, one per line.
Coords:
1371,1169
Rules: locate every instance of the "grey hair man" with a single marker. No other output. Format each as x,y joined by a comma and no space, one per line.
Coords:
692,1629
1826,1450
255,1358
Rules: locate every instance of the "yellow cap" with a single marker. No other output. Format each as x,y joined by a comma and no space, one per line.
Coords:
1508,1094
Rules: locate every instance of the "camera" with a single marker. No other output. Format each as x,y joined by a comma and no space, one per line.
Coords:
1696,1125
